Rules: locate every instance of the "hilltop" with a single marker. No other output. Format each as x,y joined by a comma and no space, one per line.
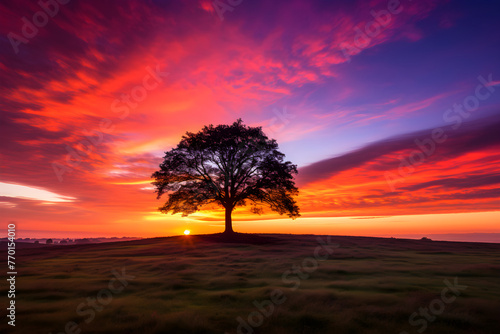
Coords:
262,284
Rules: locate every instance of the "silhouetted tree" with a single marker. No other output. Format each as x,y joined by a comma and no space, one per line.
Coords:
229,165
49,241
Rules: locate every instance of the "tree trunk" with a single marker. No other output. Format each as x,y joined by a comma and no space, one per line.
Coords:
229,223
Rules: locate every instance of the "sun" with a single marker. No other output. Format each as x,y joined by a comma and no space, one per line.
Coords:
186,232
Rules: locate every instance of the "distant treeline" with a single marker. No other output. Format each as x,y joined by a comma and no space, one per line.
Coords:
69,241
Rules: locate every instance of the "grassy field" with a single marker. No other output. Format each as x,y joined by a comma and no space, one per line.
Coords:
268,284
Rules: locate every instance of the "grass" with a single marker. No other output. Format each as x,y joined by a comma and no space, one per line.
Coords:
202,284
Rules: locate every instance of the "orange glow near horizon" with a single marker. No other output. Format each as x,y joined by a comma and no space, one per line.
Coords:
418,225
87,122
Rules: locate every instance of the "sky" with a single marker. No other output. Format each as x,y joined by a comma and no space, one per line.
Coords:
390,109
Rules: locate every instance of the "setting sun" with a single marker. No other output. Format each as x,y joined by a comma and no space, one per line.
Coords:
186,232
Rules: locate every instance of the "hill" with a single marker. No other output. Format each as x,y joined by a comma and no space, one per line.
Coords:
259,284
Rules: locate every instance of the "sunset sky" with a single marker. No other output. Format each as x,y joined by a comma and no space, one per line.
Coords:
391,110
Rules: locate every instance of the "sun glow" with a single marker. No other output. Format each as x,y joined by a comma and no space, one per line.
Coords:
186,232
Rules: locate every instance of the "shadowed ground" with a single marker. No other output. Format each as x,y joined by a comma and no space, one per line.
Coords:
202,284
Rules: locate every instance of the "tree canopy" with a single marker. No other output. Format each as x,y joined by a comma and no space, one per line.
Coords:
230,165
